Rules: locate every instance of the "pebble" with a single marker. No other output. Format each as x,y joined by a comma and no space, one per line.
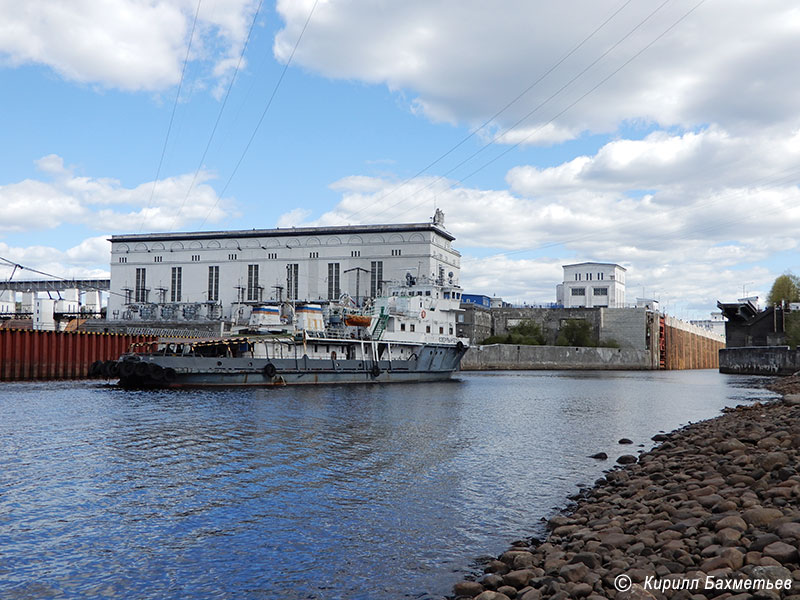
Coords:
720,497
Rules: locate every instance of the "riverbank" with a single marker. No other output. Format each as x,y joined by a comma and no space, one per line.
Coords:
712,511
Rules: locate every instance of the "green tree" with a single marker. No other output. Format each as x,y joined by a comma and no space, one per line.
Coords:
792,328
527,333
785,288
575,332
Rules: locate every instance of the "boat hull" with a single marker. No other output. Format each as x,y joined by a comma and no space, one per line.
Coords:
430,363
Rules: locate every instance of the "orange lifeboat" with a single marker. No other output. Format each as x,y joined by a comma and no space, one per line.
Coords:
357,321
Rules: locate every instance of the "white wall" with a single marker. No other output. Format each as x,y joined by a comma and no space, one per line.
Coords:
420,249
591,277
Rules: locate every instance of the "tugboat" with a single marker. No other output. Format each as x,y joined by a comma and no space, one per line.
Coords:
405,335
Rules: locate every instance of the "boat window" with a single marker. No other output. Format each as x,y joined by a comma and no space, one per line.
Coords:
441,330
447,295
427,329
413,327
427,292
402,326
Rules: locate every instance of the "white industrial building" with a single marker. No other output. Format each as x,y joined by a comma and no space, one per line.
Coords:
224,274
590,284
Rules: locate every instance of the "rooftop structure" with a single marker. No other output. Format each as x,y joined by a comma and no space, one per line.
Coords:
590,284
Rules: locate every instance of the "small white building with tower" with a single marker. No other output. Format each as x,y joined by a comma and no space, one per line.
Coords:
591,285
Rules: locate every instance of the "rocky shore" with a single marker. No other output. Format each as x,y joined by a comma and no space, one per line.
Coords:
713,511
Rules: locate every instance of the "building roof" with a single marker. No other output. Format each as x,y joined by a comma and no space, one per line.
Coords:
282,232
597,264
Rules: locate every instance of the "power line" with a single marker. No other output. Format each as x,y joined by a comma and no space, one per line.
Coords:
172,115
504,108
263,114
543,103
16,266
219,114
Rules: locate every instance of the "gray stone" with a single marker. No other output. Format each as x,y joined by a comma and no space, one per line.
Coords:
590,559
518,579
581,590
489,595
763,541
574,572
496,566
508,591
616,540
789,530
773,460
470,589
627,459
732,521
492,581
782,552
759,516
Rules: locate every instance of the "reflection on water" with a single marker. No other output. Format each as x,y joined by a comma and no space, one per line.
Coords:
328,492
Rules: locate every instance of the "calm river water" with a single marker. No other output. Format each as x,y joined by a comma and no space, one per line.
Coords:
331,492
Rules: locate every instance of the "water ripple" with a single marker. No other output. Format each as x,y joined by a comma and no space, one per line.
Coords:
335,492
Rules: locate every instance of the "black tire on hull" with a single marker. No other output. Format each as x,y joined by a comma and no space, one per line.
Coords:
105,370
126,369
375,371
269,371
141,369
156,372
96,368
113,369
170,375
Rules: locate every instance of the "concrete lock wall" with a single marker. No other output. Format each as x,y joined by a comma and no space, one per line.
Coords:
506,356
759,360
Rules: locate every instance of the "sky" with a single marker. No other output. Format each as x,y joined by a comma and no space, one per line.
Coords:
663,136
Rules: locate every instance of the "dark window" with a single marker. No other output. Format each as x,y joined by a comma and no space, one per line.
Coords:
177,283
334,291
292,275
600,291
213,284
252,283
578,291
141,285
376,277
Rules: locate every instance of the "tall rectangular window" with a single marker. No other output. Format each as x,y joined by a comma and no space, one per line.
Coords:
252,283
177,276
333,281
292,273
140,293
213,284
376,277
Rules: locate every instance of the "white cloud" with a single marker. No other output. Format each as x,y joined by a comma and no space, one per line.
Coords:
104,204
293,218
88,260
693,216
725,63
125,44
